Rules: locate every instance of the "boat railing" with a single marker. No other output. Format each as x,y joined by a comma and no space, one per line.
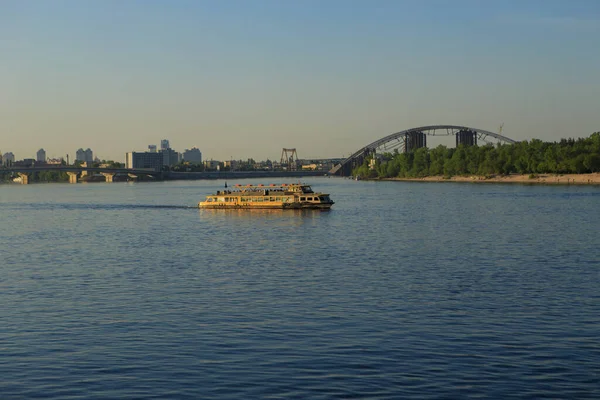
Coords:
288,188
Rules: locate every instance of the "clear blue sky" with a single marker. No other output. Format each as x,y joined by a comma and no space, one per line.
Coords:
247,78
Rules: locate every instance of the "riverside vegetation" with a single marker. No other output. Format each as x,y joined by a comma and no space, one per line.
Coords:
569,156
37,176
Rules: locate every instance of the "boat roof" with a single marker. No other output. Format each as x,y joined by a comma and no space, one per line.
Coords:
277,187
272,185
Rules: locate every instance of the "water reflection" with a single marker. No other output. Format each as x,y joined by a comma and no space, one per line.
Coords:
262,217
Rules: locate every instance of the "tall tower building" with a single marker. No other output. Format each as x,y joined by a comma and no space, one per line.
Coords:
41,156
152,148
80,155
164,144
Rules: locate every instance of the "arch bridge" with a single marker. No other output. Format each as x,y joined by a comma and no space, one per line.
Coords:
414,138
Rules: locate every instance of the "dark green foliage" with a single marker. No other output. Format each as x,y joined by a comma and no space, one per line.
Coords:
569,156
49,176
187,167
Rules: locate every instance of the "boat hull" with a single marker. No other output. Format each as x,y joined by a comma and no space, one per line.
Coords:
283,206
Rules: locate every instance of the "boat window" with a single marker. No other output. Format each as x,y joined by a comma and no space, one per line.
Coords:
302,198
278,199
272,199
220,199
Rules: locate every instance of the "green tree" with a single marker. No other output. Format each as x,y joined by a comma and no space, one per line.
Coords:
437,158
420,164
592,162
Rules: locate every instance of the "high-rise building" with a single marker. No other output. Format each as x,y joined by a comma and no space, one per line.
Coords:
152,148
85,156
164,144
193,156
144,160
8,159
170,156
80,155
41,156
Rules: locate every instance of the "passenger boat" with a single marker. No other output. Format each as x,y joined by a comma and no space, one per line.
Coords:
284,196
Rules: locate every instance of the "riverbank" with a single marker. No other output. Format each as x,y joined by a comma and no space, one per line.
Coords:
558,179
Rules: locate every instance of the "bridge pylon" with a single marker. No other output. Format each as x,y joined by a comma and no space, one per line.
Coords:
108,176
466,137
72,176
24,178
289,157
414,140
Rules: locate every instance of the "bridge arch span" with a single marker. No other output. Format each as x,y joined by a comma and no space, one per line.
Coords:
414,138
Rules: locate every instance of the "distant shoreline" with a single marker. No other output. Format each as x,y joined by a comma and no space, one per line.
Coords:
548,179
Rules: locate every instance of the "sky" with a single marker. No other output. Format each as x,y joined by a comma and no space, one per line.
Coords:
244,79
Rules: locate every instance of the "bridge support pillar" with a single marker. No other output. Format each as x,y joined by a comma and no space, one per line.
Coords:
24,178
466,137
72,177
414,140
109,176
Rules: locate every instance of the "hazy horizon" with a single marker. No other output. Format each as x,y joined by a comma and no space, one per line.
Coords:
241,79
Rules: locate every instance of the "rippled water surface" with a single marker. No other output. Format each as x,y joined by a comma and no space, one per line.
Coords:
402,290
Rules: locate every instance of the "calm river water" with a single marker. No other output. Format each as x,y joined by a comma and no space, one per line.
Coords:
402,290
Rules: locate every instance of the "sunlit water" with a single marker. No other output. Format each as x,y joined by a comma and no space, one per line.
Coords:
402,290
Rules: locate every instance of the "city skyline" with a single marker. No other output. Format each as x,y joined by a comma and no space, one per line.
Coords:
73,155
246,79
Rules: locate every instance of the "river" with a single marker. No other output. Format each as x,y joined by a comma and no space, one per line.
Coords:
402,290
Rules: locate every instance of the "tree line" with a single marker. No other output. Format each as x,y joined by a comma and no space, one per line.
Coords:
569,156
37,176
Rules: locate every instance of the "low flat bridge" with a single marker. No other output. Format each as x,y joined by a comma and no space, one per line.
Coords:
74,172
414,138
